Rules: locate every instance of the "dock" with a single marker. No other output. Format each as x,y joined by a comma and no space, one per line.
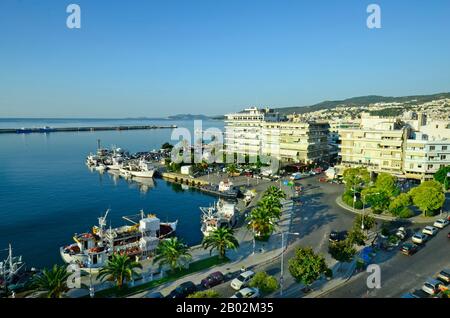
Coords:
80,129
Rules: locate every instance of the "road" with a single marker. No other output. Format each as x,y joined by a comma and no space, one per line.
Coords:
401,273
314,219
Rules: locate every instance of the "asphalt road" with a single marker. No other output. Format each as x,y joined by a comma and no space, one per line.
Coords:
314,219
400,273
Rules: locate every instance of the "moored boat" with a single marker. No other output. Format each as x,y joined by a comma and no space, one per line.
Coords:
140,239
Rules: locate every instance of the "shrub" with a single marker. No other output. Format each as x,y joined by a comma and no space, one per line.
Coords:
205,294
342,251
405,213
264,282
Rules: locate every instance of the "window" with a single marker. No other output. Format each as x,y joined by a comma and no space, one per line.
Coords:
444,147
443,157
432,148
430,166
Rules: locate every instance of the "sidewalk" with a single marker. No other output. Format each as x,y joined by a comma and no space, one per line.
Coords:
416,219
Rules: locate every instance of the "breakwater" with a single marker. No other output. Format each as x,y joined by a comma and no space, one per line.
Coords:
81,129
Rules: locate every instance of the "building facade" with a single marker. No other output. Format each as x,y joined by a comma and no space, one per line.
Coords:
257,132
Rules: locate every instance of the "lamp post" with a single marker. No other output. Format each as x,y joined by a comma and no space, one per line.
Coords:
91,288
282,258
364,211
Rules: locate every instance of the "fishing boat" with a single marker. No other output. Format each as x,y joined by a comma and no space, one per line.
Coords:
139,239
13,274
221,214
141,169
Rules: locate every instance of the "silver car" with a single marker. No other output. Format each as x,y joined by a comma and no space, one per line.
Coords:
432,286
419,238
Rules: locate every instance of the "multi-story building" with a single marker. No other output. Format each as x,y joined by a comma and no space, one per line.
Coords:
411,148
424,156
378,150
256,132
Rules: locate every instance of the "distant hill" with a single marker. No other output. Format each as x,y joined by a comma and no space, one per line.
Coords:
361,101
188,117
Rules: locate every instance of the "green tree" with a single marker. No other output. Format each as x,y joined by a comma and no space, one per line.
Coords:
428,197
356,178
167,146
342,251
119,268
387,183
368,221
261,222
275,192
306,266
222,239
231,169
53,282
356,236
272,205
376,198
400,203
441,176
205,294
264,282
172,252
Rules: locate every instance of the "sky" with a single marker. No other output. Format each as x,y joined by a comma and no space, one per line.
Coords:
156,58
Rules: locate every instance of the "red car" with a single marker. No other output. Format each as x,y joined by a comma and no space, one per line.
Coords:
212,280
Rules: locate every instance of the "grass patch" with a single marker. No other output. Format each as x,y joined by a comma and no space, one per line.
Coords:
171,276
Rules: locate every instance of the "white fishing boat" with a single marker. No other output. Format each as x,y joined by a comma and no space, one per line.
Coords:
141,169
140,239
221,214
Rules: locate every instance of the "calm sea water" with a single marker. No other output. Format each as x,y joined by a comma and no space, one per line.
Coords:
47,193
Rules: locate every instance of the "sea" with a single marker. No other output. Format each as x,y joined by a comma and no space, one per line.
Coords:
47,193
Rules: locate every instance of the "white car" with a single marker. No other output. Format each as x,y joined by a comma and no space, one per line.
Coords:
401,233
247,292
419,238
296,176
431,286
441,223
430,230
242,281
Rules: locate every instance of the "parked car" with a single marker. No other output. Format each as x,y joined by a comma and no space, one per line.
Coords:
183,290
154,295
430,230
419,238
409,249
431,286
409,295
401,233
242,280
296,176
444,275
419,293
212,280
248,292
336,236
441,223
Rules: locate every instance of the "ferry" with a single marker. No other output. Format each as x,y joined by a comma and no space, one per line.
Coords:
140,239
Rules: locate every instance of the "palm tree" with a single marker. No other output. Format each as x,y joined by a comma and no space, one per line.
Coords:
172,252
119,268
221,239
261,222
53,282
275,192
231,169
272,205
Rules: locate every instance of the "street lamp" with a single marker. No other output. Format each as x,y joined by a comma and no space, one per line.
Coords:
282,258
91,288
364,211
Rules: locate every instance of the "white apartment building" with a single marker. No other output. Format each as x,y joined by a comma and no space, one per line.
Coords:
258,132
411,148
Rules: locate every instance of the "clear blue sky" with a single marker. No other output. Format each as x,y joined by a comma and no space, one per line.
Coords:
155,58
